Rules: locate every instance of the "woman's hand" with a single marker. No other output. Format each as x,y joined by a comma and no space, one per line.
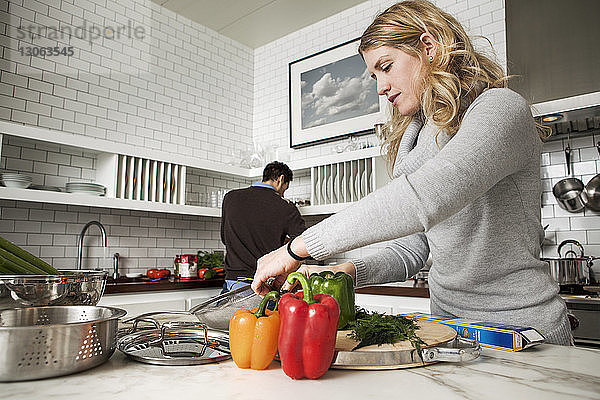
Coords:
278,264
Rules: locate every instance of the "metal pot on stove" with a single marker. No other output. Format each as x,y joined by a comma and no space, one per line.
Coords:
571,269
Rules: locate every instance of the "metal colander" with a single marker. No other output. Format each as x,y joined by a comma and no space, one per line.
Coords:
42,342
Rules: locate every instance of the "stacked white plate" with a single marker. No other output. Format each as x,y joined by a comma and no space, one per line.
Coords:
94,189
16,180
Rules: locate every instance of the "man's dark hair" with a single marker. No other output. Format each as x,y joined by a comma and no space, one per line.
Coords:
275,169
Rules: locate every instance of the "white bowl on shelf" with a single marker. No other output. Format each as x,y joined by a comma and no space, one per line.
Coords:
16,182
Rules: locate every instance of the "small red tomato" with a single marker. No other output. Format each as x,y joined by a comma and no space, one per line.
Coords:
201,272
153,273
164,272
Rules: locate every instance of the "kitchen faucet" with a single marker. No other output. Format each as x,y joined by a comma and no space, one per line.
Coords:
80,240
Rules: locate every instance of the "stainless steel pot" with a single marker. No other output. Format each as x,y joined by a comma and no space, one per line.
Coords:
592,193
42,342
592,190
570,270
569,194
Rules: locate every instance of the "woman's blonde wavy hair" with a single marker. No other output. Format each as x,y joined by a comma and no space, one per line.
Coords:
449,83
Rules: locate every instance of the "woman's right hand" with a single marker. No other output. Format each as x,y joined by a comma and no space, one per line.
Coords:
278,265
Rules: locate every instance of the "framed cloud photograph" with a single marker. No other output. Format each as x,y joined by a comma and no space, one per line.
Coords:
332,96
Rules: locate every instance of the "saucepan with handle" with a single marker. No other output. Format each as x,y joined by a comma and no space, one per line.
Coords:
569,192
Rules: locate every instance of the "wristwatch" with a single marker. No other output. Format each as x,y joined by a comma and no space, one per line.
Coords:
292,254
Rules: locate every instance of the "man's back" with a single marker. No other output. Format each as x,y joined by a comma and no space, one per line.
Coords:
255,221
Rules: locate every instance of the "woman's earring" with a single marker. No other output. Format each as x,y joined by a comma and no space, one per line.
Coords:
430,58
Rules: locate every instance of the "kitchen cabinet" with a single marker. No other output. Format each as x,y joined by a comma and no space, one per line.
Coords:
150,180
180,300
172,300
549,47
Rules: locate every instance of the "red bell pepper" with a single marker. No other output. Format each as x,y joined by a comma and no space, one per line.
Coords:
308,331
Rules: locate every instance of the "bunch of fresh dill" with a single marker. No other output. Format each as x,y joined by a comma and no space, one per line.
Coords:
374,328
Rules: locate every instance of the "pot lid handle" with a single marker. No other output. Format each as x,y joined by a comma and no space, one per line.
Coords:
459,350
570,254
570,241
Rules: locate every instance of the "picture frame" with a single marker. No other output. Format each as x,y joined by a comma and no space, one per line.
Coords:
332,96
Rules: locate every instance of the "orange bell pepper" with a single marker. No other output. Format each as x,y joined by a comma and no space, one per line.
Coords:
253,335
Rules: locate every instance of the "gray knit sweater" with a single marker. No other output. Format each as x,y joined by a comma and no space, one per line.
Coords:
473,201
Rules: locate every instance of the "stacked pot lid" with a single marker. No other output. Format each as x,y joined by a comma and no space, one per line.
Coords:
86,187
16,180
174,343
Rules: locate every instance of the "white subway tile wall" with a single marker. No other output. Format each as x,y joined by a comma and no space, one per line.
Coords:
300,187
162,82
199,185
583,226
143,240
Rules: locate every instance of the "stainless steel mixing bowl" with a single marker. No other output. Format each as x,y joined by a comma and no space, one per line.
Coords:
72,287
42,342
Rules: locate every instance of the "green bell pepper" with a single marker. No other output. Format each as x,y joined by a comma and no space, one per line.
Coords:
341,287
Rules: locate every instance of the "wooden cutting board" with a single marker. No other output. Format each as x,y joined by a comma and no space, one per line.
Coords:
432,333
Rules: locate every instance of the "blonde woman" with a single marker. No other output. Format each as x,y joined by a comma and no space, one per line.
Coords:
465,154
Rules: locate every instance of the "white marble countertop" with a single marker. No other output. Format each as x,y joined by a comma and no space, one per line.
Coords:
543,372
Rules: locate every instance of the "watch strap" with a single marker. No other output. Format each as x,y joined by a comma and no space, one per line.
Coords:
292,254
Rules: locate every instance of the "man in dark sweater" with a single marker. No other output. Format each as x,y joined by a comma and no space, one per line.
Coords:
257,220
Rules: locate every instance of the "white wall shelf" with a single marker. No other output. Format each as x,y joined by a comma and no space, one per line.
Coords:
323,209
109,150
107,146
78,199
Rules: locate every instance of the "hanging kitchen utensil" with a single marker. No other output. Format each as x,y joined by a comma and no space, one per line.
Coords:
592,193
569,191
592,190
568,152
442,344
175,343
